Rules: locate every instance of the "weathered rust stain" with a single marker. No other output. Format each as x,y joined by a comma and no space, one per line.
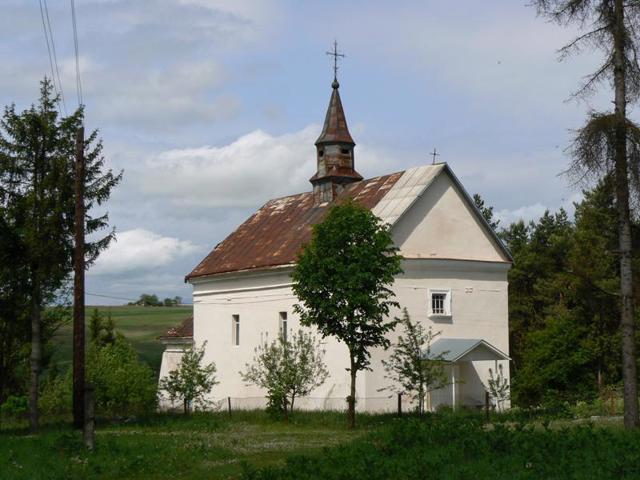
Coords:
274,235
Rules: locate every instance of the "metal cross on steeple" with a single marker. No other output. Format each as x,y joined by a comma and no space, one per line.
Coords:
434,154
335,56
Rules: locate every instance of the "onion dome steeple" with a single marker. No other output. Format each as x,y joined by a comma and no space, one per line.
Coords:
334,147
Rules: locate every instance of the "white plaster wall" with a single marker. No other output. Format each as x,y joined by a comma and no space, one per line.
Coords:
479,310
479,307
441,224
258,305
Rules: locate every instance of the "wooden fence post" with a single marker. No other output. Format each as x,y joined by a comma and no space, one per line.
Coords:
487,405
229,404
399,404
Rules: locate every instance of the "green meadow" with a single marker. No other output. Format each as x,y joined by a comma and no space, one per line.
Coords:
318,445
140,325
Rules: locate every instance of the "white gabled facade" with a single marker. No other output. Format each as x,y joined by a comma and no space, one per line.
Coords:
454,280
447,248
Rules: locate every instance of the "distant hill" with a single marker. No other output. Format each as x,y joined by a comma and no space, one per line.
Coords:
141,326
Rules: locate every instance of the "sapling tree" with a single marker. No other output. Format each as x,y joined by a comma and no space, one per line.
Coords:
191,381
287,368
411,367
498,387
342,280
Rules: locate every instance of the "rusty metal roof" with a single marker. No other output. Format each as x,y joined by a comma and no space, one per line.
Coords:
184,330
335,123
274,235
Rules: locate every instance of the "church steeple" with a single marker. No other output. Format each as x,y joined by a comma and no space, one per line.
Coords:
334,148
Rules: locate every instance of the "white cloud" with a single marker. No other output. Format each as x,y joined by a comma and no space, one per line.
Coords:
245,173
141,250
535,211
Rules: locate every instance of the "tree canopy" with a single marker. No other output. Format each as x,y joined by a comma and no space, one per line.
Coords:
343,279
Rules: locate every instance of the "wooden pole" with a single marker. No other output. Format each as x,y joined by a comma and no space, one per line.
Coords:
78,287
399,404
229,403
89,429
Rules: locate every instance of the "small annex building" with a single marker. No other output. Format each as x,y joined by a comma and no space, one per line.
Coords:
454,280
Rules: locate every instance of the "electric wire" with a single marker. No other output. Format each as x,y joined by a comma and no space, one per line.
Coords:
75,46
55,56
46,37
51,49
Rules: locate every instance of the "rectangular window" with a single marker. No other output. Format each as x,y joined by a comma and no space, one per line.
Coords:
437,303
283,325
440,303
235,329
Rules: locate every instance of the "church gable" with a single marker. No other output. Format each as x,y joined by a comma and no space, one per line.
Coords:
443,223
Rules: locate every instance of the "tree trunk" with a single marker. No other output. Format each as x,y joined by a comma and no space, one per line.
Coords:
627,320
35,359
351,399
186,406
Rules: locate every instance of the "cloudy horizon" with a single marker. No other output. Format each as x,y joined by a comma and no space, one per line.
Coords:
211,108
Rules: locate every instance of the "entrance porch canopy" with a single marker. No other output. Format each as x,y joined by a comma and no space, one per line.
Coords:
457,350
454,350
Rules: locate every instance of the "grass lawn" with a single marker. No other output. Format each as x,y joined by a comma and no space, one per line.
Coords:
317,445
141,326
211,446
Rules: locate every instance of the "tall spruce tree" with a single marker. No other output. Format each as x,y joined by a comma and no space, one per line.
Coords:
37,205
609,143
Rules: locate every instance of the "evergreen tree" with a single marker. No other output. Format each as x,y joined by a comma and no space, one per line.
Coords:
37,205
608,145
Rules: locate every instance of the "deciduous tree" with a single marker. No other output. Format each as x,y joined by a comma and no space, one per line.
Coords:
191,381
343,278
412,367
287,368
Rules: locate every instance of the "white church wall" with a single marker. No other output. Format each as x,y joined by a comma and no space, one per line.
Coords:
258,307
479,310
441,224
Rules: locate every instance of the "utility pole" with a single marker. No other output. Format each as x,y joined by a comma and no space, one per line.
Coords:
78,287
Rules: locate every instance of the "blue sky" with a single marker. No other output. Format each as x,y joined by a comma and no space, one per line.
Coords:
211,107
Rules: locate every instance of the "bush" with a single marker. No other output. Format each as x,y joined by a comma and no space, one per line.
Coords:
123,385
14,407
56,395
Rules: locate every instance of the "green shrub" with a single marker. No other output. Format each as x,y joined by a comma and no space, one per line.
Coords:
56,395
123,385
14,407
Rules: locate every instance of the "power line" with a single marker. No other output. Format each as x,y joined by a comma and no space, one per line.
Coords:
55,57
75,45
111,296
46,37
51,49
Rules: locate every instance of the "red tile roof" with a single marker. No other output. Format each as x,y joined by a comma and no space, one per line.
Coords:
184,330
274,234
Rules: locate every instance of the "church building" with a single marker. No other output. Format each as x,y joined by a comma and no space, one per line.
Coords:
454,280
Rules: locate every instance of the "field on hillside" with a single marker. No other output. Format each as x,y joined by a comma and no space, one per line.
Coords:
318,445
140,325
